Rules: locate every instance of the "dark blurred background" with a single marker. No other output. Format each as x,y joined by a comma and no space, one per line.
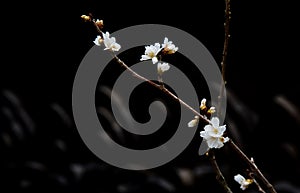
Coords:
43,44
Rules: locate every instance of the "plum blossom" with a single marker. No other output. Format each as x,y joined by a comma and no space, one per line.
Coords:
213,134
110,42
242,181
203,104
194,122
211,110
98,41
169,47
151,53
162,67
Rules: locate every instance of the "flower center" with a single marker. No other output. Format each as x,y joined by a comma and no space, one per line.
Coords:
215,130
151,55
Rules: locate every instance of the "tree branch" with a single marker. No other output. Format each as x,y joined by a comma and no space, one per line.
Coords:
252,166
220,178
225,51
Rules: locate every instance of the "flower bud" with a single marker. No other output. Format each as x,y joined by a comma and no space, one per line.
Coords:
86,18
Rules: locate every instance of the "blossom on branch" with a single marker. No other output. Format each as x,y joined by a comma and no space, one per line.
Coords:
151,53
99,23
242,181
98,41
194,122
162,67
203,104
213,134
211,110
169,47
110,42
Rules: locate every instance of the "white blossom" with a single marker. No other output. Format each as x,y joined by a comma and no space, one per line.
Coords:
194,122
214,129
242,181
162,67
212,110
169,47
213,134
151,53
98,41
203,104
110,42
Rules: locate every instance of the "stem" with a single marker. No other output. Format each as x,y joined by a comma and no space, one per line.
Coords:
258,186
225,50
252,166
162,88
220,178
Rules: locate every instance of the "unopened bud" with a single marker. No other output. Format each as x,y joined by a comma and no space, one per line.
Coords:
99,23
211,110
86,18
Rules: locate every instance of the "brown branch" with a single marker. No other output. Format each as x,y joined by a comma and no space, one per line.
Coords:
225,51
252,166
162,88
220,178
258,186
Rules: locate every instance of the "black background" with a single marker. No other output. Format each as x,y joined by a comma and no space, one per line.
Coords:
43,44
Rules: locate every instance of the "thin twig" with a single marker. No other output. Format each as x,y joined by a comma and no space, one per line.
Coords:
258,186
162,88
225,51
252,166
220,178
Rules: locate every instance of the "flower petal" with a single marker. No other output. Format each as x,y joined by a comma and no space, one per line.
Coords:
208,128
215,122
222,129
145,57
154,60
239,178
212,142
204,134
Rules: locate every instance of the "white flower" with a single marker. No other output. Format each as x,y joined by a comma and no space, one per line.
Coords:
110,43
169,47
242,181
162,67
203,104
151,53
214,129
98,41
213,134
194,122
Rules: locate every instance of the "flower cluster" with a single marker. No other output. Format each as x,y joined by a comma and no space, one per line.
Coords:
152,52
205,110
242,181
213,132
109,42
